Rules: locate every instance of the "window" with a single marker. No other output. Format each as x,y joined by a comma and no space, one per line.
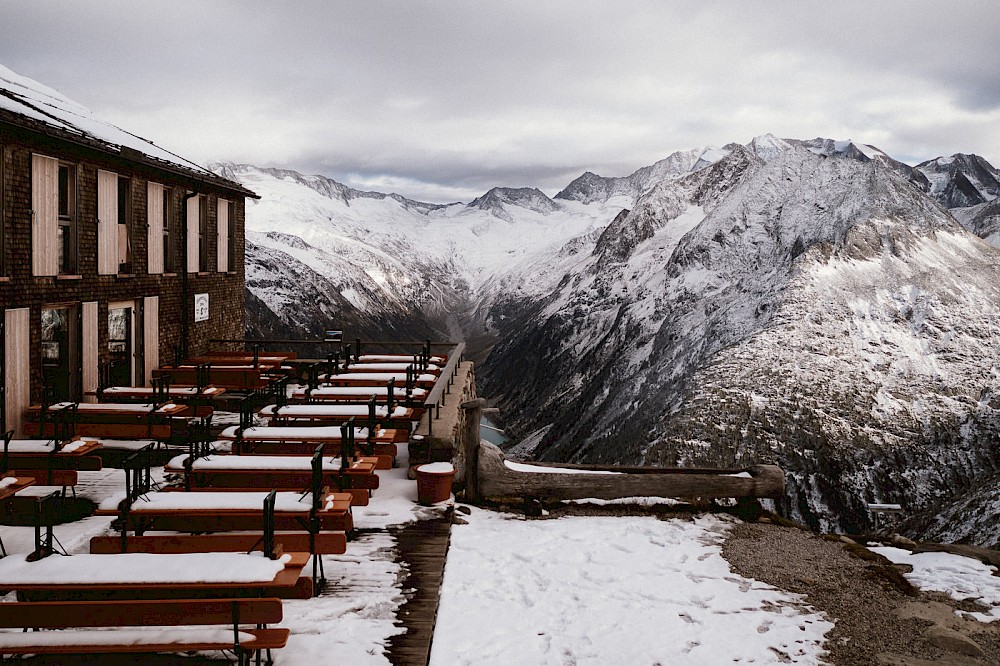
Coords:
66,234
3,264
223,229
124,226
169,233
202,234
231,236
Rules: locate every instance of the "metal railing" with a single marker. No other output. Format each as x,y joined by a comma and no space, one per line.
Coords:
442,388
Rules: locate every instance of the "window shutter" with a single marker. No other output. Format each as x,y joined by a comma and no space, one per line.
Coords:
17,345
193,213
107,223
90,351
151,336
222,231
45,215
154,220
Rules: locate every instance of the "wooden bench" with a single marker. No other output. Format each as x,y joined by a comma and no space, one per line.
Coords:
230,378
264,472
351,378
323,543
255,439
316,414
76,618
113,421
105,577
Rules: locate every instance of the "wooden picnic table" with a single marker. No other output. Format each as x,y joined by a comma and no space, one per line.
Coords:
51,462
111,409
31,448
155,576
11,485
392,367
260,471
302,440
239,377
413,359
423,380
243,361
228,510
112,420
357,394
334,413
144,393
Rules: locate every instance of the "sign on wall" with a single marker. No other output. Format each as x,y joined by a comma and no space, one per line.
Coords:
201,307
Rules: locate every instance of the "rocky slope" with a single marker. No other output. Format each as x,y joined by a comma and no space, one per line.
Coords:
819,312
811,303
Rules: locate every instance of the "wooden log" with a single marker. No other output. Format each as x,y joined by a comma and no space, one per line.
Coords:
467,475
499,483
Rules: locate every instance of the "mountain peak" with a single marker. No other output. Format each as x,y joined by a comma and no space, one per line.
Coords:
498,198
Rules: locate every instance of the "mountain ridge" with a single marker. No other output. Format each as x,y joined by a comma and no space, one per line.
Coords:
605,328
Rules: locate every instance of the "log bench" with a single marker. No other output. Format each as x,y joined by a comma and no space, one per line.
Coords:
78,618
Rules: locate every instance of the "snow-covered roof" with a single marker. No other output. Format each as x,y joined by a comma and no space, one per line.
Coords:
27,103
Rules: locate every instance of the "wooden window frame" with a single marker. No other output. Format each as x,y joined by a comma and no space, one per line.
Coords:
68,219
126,263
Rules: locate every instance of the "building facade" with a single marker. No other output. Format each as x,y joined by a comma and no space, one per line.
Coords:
114,258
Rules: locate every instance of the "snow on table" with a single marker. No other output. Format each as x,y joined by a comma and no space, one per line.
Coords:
44,446
123,407
397,358
257,463
292,411
335,391
284,502
389,366
146,636
292,433
611,590
378,377
135,568
959,577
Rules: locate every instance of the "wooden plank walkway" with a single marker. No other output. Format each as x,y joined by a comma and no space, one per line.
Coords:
422,548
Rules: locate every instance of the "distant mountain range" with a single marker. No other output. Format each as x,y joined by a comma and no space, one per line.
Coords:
814,303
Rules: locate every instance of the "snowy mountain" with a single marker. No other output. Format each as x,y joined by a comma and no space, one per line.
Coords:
810,303
961,181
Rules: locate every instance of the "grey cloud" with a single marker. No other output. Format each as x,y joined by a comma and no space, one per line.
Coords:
455,97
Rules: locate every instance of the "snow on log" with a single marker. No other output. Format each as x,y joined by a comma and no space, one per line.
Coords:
500,482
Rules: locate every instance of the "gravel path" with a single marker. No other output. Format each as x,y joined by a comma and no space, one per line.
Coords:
877,622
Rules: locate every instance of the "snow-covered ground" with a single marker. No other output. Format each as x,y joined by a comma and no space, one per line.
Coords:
961,578
611,590
581,590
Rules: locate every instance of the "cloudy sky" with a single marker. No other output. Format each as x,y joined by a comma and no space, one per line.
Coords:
440,101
